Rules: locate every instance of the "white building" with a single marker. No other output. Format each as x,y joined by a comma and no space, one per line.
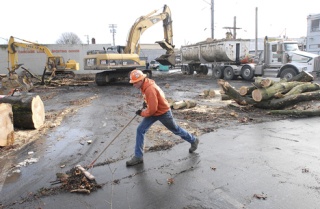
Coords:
313,34
35,61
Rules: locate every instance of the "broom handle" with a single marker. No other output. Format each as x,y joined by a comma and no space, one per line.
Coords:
91,164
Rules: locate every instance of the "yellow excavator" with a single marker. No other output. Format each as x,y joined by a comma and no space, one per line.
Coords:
54,66
118,61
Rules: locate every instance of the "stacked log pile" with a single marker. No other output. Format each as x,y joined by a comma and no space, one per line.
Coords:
276,95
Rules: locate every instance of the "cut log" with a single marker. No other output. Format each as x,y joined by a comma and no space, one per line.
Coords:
303,77
191,103
267,82
179,105
257,82
205,93
304,87
208,93
296,113
212,93
28,110
288,100
246,90
6,125
80,191
225,97
234,94
267,93
170,101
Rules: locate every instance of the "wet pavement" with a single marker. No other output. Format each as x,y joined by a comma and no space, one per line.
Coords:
277,160
265,165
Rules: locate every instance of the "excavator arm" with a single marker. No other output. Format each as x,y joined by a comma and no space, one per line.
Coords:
53,62
145,22
13,55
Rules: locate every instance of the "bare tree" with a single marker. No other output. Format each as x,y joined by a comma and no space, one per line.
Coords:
69,38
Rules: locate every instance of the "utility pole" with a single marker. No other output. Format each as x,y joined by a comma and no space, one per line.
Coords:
87,38
234,28
113,30
256,34
212,19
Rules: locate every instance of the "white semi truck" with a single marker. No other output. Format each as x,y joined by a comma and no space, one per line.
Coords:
230,58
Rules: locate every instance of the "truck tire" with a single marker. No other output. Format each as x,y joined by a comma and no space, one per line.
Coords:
183,70
204,70
288,73
247,73
228,73
189,70
217,72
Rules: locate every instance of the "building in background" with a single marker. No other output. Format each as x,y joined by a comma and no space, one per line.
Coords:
35,61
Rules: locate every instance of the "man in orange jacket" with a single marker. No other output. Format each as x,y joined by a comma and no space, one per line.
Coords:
156,107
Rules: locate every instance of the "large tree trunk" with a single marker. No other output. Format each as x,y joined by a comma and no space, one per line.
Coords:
28,110
261,94
246,90
234,94
304,87
6,125
303,77
288,100
296,113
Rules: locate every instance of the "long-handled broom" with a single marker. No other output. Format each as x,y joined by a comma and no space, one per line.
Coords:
85,172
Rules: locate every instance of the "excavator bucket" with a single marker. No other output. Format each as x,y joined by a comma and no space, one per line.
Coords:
167,59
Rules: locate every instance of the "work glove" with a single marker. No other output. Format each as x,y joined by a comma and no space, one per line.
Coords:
144,105
138,112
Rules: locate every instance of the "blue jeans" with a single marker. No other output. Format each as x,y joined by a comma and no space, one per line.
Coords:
168,121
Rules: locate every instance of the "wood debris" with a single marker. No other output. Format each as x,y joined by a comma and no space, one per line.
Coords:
76,181
260,196
170,181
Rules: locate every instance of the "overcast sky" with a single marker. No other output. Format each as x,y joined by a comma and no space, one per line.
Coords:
44,21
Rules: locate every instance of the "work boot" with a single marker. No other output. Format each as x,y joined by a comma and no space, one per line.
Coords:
134,161
194,146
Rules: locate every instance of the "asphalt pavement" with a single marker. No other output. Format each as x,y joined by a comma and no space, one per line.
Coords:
267,165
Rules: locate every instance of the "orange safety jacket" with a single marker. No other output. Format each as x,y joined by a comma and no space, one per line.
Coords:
153,95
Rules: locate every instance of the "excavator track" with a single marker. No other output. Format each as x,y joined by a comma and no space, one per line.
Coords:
108,77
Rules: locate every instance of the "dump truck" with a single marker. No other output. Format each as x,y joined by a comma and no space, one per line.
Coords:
231,58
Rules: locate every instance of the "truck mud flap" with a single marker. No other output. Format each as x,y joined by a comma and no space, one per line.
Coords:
167,59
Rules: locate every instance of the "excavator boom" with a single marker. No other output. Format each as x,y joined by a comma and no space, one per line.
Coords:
142,24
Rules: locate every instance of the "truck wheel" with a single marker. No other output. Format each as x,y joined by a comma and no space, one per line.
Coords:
217,72
247,73
189,70
184,70
204,70
228,73
288,73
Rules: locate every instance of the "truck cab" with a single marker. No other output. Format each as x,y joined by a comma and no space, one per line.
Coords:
285,60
